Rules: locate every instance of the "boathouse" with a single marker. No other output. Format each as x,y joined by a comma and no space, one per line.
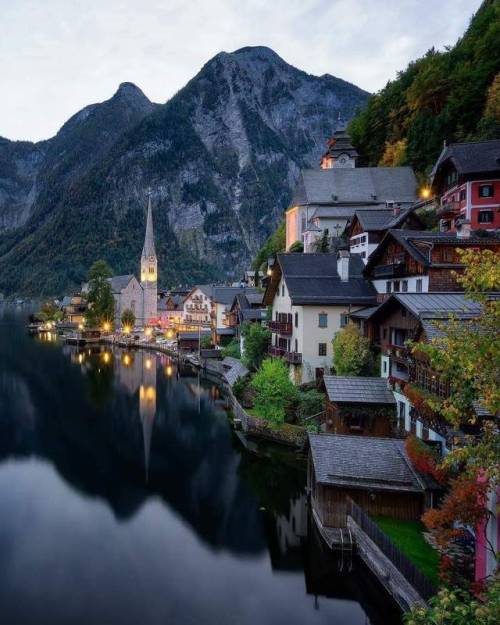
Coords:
358,405
375,473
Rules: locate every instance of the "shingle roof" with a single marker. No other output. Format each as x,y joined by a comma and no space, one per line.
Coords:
312,279
187,336
226,294
473,157
374,220
233,369
332,212
251,314
361,185
364,313
434,305
358,390
363,462
118,283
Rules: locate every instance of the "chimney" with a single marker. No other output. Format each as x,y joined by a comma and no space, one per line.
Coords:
463,229
343,265
396,209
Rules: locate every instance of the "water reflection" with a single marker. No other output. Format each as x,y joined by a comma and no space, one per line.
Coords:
201,530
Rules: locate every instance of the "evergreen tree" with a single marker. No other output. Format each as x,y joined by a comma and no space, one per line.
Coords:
100,297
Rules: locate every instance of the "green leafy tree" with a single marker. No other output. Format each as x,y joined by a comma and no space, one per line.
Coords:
206,341
128,318
100,296
351,352
49,312
232,349
274,391
297,247
256,342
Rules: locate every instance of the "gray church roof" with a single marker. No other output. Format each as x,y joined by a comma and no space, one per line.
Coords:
149,239
357,185
118,283
357,390
363,462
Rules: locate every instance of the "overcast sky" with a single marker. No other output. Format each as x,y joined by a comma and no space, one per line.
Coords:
57,56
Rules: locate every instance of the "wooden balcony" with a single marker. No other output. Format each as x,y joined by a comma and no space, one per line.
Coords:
392,270
294,358
450,208
280,327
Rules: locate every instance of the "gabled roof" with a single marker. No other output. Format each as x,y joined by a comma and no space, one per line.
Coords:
226,294
312,279
376,220
118,283
363,462
410,240
253,314
358,390
358,185
474,157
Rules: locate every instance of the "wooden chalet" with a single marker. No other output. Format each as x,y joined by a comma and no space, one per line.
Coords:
375,473
360,406
408,261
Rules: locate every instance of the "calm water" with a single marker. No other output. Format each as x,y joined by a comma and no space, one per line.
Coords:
126,499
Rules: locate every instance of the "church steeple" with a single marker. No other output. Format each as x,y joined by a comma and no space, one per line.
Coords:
148,258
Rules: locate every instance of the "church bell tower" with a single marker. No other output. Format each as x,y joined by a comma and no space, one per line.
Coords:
149,271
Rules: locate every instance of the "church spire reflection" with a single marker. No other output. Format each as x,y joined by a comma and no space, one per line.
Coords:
147,405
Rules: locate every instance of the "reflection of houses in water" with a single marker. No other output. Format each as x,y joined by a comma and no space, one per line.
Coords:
292,528
147,404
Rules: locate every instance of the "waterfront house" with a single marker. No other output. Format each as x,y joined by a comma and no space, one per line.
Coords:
197,305
311,296
408,261
368,227
466,177
222,301
407,317
190,341
375,472
246,308
359,405
171,307
73,308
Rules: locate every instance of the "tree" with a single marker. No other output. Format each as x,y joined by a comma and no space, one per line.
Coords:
232,349
49,312
458,607
351,352
274,390
128,319
322,245
274,244
297,247
256,339
100,297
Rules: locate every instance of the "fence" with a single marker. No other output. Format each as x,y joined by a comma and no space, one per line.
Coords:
416,578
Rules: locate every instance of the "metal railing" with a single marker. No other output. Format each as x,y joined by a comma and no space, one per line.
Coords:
414,576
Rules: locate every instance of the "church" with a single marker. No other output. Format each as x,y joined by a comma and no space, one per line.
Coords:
140,297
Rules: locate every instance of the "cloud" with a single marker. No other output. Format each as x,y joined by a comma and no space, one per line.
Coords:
58,56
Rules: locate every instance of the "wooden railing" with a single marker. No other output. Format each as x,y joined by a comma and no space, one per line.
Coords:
414,576
280,327
294,358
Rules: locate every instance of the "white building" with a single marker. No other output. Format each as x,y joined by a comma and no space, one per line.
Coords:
311,297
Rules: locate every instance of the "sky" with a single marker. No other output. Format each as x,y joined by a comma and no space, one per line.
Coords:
57,56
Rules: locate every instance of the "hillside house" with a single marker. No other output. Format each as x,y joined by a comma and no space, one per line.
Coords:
311,296
409,261
466,177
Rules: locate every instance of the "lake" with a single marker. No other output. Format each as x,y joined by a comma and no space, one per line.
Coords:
126,498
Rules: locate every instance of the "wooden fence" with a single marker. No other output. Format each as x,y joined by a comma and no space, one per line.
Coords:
416,578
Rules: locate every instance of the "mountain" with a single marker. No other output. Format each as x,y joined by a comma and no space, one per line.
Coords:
452,95
220,157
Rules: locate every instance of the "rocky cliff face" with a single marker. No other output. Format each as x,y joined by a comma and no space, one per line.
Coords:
220,157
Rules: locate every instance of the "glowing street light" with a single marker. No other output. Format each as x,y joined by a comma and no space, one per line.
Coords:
148,332
425,193
126,329
106,326
80,326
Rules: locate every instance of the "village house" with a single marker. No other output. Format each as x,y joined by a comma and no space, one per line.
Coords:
407,317
466,177
359,405
171,307
246,308
311,296
376,473
222,300
197,305
73,308
325,199
409,261
368,227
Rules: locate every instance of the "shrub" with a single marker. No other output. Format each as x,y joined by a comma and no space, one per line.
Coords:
274,391
351,352
256,342
310,403
232,349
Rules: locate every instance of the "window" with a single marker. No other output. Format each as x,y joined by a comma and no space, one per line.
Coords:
322,320
419,285
283,290
384,366
486,190
296,319
485,217
396,286
404,286
388,286
296,345
462,195
321,349
344,320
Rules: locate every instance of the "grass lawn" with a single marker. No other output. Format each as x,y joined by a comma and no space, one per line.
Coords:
408,536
